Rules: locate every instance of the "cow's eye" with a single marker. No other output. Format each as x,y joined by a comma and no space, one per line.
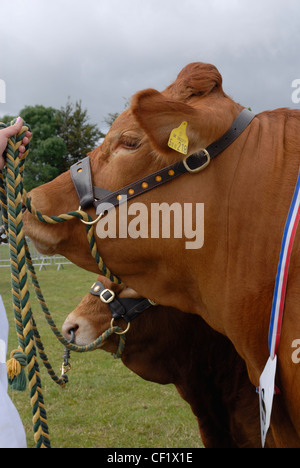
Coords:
129,143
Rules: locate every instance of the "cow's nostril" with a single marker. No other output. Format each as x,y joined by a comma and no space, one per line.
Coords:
69,331
3,236
73,334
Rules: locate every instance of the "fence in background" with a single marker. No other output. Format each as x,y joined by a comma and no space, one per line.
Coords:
39,261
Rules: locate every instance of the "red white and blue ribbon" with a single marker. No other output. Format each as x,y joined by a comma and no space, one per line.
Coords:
282,271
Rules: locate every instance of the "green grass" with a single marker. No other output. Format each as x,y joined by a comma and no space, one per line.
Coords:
104,404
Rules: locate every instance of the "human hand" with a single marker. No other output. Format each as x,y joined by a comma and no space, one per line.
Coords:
8,132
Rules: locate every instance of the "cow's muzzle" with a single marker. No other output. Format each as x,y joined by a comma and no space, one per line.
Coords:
3,236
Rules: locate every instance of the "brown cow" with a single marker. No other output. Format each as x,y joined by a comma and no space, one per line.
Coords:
246,190
165,345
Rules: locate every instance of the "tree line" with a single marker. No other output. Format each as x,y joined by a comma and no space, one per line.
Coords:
61,137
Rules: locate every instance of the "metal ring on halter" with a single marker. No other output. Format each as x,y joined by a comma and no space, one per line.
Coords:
90,223
119,333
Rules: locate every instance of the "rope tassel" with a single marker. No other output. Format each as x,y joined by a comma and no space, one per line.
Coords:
15,371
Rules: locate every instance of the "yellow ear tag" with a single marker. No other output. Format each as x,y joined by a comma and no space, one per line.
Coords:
178,140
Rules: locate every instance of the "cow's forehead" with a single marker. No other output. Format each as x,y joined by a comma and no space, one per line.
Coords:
126,122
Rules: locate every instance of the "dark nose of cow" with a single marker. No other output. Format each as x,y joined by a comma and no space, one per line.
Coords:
69,331
3,236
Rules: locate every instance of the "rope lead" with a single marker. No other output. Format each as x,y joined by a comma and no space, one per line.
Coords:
12,194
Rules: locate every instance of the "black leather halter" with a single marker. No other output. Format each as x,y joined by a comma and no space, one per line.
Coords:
120,307
96,197
90,196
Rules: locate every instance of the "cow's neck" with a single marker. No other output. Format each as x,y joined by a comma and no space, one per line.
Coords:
259,201
233,274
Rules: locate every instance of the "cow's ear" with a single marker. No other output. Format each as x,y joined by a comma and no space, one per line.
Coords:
195,80
159,116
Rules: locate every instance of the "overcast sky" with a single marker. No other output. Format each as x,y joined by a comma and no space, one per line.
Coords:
103,51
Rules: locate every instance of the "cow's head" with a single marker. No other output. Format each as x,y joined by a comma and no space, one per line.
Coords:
147,351
165,345
135,146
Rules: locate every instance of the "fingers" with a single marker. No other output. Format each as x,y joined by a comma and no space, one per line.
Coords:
9,132
25,141
13,129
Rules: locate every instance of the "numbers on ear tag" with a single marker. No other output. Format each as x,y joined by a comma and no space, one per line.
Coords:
178,140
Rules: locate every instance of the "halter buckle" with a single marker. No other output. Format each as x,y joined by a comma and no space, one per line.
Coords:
106,299
204,153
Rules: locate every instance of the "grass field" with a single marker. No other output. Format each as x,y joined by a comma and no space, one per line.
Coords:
104,404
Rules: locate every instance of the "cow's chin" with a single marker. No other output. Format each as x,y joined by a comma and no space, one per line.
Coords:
84,338
85,335
44,249
43,236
